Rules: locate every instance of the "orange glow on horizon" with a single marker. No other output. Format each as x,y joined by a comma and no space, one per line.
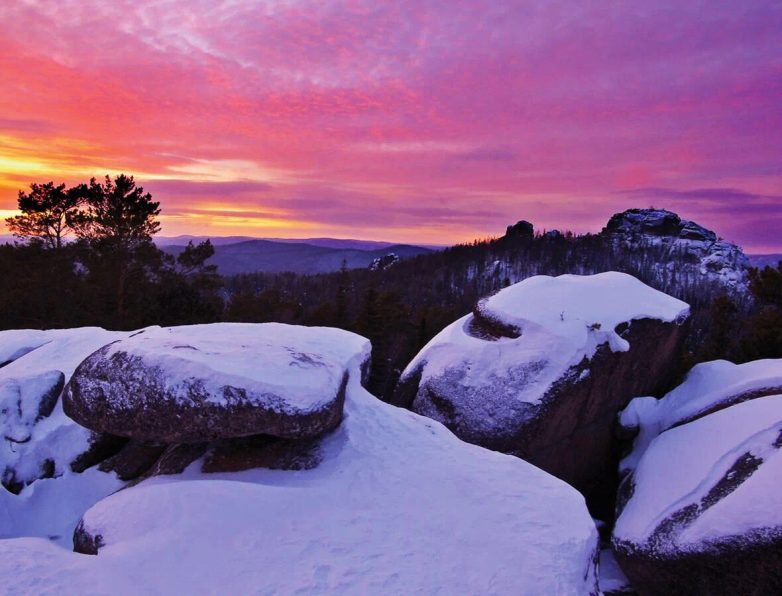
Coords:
433,123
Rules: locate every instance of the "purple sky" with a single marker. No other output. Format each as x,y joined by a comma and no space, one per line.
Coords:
414,120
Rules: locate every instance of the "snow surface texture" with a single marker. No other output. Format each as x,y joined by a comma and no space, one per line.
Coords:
561,320
398,505
303,368
51,508
35,358
708,386
682,467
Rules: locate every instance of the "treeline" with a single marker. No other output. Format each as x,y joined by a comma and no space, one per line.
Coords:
404,306
86,257
110,274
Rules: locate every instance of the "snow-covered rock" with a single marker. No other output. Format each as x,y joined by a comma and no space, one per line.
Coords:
541,369
203,382
684,243
38,439
25,400
397,505
709,387
384,262
702,511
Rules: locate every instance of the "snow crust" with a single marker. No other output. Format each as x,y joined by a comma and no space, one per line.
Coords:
562,320
707,385
15,343
55,437
585,310
398,505
683,464
302,366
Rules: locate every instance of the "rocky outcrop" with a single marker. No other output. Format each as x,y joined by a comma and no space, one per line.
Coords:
206,382
24,401
541,369
135,458
236,455
356,523
384,262
701,512
709,387
680,245
521,229
36,439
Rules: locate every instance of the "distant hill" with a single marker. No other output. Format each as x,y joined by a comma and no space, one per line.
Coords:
274,256
765,260
341,243
163,241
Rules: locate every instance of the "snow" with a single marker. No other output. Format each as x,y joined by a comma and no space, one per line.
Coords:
55,437
561,319
398,505
24,400
612,578
583,309
15,343
683,464
51,508
302,366
708,385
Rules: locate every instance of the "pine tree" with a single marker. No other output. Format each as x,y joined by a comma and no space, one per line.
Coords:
47,213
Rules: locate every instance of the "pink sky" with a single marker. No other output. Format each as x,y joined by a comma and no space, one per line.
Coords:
413,120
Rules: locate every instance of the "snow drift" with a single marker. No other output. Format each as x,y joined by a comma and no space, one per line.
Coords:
397,504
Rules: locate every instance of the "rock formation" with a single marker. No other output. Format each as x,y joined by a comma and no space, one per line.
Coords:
679,241
204,382
541,369
700,512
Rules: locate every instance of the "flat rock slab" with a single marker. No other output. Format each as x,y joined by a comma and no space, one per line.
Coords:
204,382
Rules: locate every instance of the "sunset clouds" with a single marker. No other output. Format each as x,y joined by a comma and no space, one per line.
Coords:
417,120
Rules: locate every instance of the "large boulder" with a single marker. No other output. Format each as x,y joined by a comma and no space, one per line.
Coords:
203,382
708,388
393,507
541,369
701,510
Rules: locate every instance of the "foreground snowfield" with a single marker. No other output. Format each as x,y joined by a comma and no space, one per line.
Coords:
398,505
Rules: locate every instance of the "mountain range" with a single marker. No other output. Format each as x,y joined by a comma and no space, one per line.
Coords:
318,255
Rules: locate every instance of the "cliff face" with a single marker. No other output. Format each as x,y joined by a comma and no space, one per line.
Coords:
685,244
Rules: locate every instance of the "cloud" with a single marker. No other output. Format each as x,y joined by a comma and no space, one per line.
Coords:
402,116
190,188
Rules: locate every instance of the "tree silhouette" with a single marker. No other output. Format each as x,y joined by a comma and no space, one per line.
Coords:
117,223
118,213
48,212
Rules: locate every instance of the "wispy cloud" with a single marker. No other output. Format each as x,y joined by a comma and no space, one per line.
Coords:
442,112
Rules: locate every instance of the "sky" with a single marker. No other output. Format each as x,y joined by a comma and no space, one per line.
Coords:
432,121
